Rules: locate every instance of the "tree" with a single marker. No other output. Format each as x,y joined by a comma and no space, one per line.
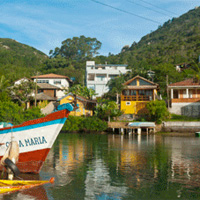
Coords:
158,111
22,92
3,88
77,48
107,109
116,86
3,83
82,91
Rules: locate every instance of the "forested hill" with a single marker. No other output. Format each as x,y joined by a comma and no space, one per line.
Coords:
177,41
18,60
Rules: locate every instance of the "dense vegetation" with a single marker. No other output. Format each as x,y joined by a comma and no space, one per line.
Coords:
175,42
19,60
84,124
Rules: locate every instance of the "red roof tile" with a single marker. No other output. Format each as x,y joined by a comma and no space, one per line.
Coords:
50,76
187,82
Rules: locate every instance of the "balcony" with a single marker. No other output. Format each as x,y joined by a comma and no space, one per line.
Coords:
136,98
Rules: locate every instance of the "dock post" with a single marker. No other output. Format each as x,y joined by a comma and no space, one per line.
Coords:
122,131
139,131
113,130
147,131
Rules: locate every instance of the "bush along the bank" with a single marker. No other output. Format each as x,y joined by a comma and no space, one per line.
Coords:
15,114
84,124
158,111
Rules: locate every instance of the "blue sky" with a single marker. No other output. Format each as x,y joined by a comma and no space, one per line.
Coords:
44,24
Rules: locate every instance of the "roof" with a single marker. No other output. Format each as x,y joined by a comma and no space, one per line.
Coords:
129,81
47,86
78,97
111,65
53,76
42,96
187,82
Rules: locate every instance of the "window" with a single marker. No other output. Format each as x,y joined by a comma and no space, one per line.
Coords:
101,77
42,81
128,103
57,81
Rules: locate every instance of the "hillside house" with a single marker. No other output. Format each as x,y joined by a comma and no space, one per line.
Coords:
185,97
59,81
86,107
98,75
138,91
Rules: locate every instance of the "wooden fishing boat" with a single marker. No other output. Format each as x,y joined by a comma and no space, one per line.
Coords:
7,186
35,138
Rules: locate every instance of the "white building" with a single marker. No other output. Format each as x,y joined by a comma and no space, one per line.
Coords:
60,81
98,75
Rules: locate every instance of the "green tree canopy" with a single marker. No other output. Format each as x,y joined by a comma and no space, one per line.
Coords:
22,92
77,48
82,91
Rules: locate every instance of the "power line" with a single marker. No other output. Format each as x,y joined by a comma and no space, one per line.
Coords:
158,7
148,8
127,12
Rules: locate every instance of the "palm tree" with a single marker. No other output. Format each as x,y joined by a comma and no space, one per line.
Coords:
116,86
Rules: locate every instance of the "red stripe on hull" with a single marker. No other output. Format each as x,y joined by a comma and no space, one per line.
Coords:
53,116
31,162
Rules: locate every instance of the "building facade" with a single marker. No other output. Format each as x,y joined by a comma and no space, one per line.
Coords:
137,92
98,75
59,81
185,98
86,107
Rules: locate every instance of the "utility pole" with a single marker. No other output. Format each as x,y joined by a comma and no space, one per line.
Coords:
167,91
36,90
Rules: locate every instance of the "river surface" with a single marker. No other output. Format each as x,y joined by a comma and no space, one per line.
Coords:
115,167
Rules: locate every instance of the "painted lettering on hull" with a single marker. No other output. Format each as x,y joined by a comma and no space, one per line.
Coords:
31,141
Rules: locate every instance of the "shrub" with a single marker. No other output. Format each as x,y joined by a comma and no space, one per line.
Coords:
158,111
81,124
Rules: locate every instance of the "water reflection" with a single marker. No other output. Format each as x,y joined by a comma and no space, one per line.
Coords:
122,167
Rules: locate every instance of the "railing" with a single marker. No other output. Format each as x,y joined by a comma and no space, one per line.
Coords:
136,98
185,100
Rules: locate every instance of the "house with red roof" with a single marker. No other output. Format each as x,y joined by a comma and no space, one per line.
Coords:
185,97
62,83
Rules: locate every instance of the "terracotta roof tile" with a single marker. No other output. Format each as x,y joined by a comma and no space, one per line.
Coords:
50,76
187,82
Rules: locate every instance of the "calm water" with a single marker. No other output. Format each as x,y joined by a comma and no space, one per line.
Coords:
114,167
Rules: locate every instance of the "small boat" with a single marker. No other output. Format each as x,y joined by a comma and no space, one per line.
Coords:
35,138
7,186
197,134
142,124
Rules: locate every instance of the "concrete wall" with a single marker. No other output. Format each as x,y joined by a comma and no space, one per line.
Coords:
187,109
190,127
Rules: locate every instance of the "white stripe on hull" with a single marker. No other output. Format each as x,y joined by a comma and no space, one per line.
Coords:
32,139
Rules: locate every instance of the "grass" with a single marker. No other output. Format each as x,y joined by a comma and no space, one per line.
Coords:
175,117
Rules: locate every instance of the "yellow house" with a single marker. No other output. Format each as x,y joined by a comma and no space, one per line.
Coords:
138,91
86,106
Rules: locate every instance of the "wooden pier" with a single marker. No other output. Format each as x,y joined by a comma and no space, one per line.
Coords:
132,127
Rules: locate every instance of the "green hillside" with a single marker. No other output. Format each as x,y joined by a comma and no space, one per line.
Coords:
18,60
177,41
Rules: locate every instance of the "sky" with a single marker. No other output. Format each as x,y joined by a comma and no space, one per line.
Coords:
44,24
